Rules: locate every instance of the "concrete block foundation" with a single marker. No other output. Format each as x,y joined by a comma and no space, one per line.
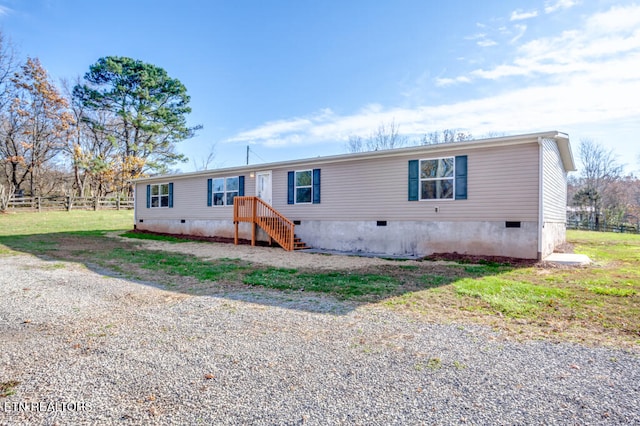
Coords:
413,238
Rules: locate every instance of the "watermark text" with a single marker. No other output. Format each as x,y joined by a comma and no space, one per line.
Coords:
43,406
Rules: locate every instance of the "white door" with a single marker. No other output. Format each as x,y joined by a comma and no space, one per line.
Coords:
263,186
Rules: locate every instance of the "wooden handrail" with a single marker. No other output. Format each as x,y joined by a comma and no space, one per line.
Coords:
257,212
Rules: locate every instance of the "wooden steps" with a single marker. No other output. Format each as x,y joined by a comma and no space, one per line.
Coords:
260,214
298,244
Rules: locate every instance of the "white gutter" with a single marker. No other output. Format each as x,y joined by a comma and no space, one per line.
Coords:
540,195
306,162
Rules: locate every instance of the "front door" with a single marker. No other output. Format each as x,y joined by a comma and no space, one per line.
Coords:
263,186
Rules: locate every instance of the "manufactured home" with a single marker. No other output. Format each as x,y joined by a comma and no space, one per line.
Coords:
502,196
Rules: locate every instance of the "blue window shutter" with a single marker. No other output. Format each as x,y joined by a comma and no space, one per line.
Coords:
461,177
170,194
414,181
148,196
291,181
209,192
316,186
241,186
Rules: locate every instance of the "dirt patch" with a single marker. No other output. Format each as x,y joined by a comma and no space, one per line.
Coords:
263,255
222,240
475,259
324,261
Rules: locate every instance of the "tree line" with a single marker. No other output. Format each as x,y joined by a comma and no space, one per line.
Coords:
124,117
601,194
90,138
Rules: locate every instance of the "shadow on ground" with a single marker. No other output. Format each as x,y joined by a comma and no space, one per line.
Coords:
309,289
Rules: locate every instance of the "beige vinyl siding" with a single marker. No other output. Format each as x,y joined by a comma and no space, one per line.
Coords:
555,183
189,199
502,185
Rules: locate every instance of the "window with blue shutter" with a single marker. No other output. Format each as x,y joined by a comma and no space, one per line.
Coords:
438,179
303,187
461,177
291,187
316,186
414,181
221,191
160,195
241,186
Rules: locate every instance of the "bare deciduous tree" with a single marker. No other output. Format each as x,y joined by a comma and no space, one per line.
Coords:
6,192
8,65
384,137
355,144
445,136
600,171
37,124
207,161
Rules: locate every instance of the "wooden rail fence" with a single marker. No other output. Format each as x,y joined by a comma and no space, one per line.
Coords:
69,203
631,229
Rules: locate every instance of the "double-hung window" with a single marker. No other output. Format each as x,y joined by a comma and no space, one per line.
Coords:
160,195
304,186
437,178
224,190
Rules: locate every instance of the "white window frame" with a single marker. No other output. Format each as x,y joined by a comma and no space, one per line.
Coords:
451,178
296,186
225,191
159,195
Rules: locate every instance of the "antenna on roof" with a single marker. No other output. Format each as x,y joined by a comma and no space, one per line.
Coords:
247,155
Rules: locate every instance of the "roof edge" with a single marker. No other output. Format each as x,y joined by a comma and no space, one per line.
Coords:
561,138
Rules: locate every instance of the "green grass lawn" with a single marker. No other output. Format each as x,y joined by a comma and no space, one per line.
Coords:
29,223
598,304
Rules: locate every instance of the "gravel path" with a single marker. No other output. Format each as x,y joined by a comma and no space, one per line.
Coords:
109,350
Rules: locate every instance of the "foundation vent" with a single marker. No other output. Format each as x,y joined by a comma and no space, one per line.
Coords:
381,223
508,224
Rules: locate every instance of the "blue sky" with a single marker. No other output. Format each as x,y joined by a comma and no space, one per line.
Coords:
295,79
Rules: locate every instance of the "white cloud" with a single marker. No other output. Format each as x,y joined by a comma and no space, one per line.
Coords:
575,78
521,28
4,10
604,36
617,19
482,40
486,42
519,15
443,82
600,96
559,4
477,36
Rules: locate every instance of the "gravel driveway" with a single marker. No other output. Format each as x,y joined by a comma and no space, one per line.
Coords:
86,348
